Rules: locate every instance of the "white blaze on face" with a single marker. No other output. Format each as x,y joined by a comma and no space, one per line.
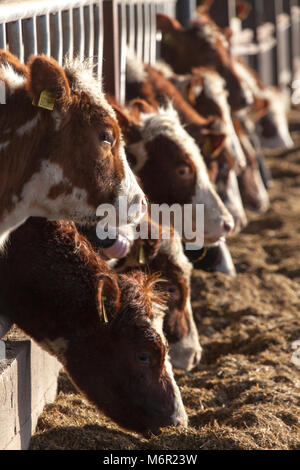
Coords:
179,416
234,202
187,352
131,191
226,265
165,122
215,88
277,114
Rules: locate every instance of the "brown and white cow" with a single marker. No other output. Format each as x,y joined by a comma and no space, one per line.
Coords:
268,111
206,90
61,151
201,43
157,249
169,165
106,329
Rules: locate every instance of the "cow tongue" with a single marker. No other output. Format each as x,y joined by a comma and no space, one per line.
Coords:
119,249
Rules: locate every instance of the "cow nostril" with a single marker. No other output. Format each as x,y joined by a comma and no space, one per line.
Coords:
196,359
228,226
144,205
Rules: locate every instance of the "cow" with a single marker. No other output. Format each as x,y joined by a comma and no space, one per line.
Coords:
61,150
105,328
268,111
201,43
157,249
206,90
160,150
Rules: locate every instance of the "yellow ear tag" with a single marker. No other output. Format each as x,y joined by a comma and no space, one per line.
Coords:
46,100
142,258
104,310
207,147
201,257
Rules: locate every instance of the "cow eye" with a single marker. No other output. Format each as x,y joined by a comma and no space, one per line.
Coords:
184,172
107,137
144,358
173,292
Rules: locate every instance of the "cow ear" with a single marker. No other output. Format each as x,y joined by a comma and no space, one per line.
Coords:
242,10
123,117
205,6
194,90
108,298
166,24
7,57
138,106
259,108
46,76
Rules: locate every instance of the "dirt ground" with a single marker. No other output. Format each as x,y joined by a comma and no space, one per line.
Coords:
245,394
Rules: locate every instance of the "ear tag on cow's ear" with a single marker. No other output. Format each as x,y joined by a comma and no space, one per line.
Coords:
168,39
104,309
46,100
202,256
207,147
142,257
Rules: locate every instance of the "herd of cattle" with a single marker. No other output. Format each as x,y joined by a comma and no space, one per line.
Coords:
117,313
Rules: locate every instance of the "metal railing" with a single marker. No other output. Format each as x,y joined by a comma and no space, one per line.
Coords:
53,28
99,30
269,38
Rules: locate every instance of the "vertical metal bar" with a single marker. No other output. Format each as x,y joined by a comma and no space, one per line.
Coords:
122,50
78,32
131,26
295,18
111,70
43,34
2,36
139,31
67,33
29,37
231,9
56,36
267,60
98,37
89,32
14,37
152,58
282,33
147,32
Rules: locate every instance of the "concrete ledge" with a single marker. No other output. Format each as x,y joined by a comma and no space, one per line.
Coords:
28,380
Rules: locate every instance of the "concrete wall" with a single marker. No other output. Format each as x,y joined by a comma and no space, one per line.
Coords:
28,380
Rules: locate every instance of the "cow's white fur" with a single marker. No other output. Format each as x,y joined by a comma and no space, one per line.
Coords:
166,122
28,126
14,80
215,88
34,200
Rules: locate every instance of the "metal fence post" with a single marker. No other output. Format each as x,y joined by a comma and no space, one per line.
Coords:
111,70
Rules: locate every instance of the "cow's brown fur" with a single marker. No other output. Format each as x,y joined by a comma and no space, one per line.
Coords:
53,288
185,48
55,164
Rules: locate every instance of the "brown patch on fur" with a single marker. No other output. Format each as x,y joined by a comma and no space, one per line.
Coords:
164,158
185,48
60,295
87,162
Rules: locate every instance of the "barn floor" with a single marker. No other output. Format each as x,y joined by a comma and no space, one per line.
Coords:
246,392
